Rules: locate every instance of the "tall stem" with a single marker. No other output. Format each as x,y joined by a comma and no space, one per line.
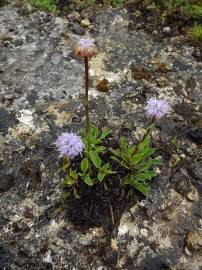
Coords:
86,93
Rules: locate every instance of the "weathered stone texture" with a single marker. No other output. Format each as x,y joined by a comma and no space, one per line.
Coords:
41,86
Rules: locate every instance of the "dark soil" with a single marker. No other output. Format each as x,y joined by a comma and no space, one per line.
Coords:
99,207
153,21
103,204
3,3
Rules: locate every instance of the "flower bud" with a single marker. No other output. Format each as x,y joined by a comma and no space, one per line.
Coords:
85,47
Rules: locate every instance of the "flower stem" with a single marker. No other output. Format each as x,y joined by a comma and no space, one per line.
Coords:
86,93
145,135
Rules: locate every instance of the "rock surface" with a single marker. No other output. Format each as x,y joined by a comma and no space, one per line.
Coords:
6,182
41,85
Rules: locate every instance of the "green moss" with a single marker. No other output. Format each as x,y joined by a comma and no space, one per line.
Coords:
85,3
49,5
114,2
195,32
189,8
196,11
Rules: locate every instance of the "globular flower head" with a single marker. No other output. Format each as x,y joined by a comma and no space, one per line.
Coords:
69,145
85,47
157,107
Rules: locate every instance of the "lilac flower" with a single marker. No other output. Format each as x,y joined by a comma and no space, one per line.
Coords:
86,43
69,145
85,47
157,107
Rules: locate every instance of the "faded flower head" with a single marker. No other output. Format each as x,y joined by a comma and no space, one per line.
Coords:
157,107
85,47
69,145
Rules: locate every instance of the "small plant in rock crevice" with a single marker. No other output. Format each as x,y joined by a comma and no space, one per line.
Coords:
133,164
138,159
92,169
138,162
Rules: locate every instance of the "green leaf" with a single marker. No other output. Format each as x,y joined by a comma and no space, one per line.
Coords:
95,159
101,176
123,145
142,187
131,150
105,133
84,165
94,131
104,168
145,166
92,140
100,149
110,172
66,163
115,152
115,159
138,184
155,162
139,181
68,181
146,175
146,143
73,174
97,141
142,155
88,180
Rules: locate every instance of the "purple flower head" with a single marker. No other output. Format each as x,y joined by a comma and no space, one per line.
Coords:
69,145
85,47
86,43
157,107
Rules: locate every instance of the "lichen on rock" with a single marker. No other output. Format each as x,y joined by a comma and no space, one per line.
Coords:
41,85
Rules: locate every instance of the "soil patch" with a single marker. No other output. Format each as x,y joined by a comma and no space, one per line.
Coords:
99,207
103,204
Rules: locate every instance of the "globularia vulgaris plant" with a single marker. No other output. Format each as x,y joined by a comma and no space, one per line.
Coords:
92,168
138,160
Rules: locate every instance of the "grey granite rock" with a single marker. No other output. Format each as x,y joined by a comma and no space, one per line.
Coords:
41,90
